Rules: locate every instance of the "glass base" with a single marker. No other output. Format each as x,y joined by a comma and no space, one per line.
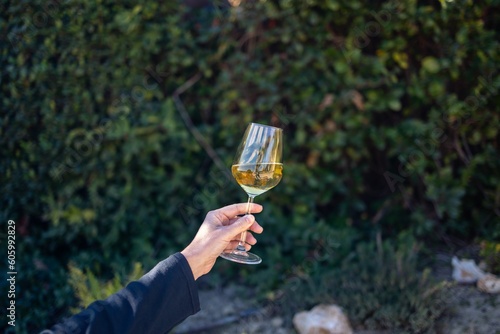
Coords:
241,257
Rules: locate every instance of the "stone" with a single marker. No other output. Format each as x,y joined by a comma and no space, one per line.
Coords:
322,319
466,271
489,283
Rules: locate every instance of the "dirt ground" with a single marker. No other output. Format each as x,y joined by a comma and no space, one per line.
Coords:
227,312
231,310
473,312
234,310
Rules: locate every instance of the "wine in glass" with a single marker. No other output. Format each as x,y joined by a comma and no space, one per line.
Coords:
257,167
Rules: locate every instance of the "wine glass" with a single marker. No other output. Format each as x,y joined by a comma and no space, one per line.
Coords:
257,167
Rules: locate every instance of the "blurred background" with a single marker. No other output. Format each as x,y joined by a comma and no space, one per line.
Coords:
120,120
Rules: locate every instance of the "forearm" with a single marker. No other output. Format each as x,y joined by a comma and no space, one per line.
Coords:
154,304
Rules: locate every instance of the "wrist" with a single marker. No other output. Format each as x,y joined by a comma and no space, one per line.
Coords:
193,261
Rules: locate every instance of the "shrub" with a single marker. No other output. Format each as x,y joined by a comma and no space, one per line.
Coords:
380,286
490,252
89,289
389,111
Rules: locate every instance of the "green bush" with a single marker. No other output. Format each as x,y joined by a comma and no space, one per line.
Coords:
490,253
379,285
88,288
389,111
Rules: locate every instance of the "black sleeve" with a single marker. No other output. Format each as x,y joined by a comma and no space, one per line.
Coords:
154,304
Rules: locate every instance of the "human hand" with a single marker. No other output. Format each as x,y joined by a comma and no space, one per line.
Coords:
219,232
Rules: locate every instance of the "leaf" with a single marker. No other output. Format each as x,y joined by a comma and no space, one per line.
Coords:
430,64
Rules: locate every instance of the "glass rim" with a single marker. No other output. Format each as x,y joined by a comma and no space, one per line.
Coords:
269,126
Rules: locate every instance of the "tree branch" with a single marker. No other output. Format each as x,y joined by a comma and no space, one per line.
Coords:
189,123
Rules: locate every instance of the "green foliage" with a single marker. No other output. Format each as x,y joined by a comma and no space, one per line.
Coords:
490,253
380,285
88,288
389,109
41,290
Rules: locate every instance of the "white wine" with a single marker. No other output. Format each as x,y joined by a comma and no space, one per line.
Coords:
257,167
256,179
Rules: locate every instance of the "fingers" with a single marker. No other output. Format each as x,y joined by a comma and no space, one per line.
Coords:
249,242
233,244
230,221
231,211
256,228
250,239
241,224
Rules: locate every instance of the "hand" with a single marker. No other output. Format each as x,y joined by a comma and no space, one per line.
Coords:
219,232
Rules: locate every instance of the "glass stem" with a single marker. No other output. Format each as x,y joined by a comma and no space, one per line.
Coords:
241,244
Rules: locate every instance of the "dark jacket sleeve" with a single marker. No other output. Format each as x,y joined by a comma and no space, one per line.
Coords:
154,304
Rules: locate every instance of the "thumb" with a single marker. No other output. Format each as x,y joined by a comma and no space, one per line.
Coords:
240,225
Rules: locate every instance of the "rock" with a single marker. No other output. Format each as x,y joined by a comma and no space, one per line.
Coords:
322,319
489,283
466,271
